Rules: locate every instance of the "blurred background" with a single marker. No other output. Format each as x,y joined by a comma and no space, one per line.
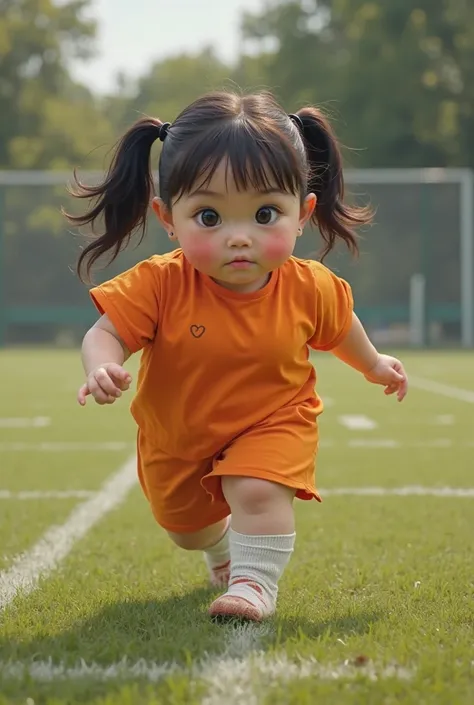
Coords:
396,77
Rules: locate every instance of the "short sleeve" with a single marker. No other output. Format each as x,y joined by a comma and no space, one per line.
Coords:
334,307
131,301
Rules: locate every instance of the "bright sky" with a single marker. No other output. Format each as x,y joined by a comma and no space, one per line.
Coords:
134,33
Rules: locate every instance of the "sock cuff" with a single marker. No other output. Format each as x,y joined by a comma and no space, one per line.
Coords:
275,541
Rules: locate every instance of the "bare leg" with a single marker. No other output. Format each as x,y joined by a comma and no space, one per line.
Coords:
214,541
261,543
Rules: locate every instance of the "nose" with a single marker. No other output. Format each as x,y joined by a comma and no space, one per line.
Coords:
239,237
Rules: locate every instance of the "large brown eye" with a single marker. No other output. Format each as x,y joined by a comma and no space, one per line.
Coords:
208,218
266,215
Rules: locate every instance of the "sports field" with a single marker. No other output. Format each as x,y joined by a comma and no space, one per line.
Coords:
376,607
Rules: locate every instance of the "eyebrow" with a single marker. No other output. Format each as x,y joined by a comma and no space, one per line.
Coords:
215,194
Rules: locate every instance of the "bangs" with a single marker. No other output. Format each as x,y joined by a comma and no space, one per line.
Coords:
256,159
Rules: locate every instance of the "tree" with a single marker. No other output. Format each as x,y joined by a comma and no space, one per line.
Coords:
399,76
174,82
47,121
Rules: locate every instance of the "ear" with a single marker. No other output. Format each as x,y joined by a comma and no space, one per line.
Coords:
164,215
307,209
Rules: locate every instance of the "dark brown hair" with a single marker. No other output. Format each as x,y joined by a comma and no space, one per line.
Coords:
263,147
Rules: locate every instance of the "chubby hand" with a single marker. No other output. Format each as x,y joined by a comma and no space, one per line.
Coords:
389,372
106,384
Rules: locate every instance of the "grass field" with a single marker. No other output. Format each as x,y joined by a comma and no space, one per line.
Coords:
376,607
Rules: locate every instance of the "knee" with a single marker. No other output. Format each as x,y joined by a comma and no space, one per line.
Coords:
190,542
254,496
199,540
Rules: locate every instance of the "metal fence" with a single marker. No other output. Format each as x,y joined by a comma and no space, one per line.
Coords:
423,231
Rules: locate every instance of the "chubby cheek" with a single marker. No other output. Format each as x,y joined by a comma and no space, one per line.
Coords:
201,252
277,248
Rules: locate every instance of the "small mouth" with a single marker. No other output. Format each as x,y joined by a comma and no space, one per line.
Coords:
240,263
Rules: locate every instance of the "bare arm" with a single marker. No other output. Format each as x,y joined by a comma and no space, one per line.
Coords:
356,349
103,344
103,354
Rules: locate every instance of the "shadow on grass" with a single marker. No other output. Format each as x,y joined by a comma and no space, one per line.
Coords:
171,630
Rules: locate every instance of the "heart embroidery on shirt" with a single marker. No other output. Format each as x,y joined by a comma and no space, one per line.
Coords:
197,331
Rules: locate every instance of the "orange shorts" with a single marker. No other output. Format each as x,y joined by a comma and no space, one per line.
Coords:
186,496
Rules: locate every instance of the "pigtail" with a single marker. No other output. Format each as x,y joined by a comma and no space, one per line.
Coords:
333,217
121,200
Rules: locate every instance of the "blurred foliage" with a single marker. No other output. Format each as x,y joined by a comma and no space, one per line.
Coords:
397,77
47,121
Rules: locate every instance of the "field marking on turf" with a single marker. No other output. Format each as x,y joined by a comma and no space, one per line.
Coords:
221,673
415,490
35,422
62,447
56,543
391,443
113,446
444,420
231,678
47,494
236,674
235,681
409,491
357,422
375,443
447,390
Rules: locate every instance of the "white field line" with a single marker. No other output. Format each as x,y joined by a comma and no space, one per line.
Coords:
113,446
56,543
35,422
244,673
408,491
230,678
234,677
444,420
357,422
241,673
391,443
62,447
375,443
248,680
446,390
47,494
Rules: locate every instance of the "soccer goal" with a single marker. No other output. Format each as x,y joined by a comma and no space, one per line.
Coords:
413,282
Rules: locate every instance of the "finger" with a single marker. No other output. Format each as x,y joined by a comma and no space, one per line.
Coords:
402,390
390,389
106,382
123,386
119,373
395,376
83,392
399,369
100,396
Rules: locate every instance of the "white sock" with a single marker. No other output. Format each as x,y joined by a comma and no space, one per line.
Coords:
257,564
218,558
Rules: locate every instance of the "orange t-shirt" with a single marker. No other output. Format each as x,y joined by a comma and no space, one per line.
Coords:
215,362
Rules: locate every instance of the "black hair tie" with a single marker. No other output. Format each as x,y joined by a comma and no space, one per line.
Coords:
298,121
164,131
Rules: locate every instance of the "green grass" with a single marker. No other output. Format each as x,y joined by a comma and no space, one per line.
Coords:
385,582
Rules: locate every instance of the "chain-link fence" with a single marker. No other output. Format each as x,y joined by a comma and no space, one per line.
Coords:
423,225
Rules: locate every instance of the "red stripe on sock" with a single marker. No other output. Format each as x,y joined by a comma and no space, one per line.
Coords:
224,566
248,582
255,587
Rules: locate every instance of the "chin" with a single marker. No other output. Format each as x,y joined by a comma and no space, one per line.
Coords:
244,277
